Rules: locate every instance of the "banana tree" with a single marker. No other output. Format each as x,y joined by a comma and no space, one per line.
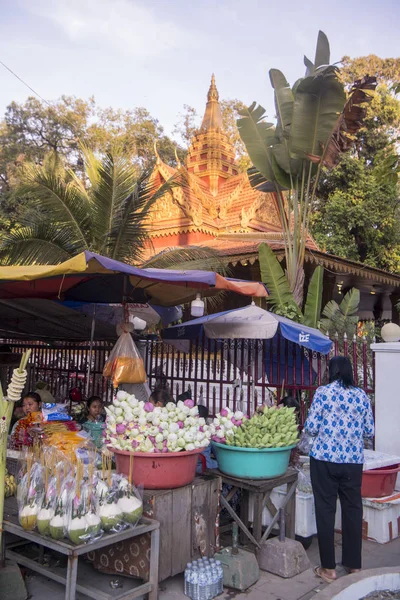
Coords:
281,299
314,120
333,318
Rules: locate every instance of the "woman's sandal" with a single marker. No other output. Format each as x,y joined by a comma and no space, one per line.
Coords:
319,573
350,571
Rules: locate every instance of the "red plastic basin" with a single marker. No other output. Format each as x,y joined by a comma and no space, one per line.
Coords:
378,483
158,471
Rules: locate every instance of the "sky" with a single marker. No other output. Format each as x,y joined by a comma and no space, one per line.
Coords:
160,54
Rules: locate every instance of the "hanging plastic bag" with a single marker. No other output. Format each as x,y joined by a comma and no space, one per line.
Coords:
125,365
305,443
304,479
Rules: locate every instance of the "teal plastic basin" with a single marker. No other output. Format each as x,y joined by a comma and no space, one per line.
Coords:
252,463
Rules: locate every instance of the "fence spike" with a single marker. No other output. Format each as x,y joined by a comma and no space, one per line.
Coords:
336,336
354,338
345,336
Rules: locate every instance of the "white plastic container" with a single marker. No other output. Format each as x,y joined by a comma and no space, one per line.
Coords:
381,521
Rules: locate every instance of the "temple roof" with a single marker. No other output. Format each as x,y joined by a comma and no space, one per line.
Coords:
217,198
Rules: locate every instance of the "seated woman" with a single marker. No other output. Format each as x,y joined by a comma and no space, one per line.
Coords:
160,397
94,410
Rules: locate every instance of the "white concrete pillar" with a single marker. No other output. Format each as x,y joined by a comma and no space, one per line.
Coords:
387,397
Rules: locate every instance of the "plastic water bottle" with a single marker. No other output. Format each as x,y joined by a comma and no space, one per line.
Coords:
220,572
195,583
202,590
188,576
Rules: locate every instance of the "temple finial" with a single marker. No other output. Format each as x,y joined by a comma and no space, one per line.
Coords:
213,92
156,152
178,162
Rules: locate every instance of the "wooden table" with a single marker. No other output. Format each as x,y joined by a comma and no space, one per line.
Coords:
260,490
11,525
189,519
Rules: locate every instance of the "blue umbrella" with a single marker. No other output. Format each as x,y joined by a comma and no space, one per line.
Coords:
252,322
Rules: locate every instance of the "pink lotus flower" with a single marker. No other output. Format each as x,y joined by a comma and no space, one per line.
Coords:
152,439
181,424
224,412
164,450
121,428
201,428
189,403
135,443
148,407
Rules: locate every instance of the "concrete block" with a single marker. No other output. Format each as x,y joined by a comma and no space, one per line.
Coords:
241,570
12,585
285,559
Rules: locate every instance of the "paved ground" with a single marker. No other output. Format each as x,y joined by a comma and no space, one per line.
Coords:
269,587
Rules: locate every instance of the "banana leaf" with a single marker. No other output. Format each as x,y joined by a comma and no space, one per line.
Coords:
275,279
318,104
312,309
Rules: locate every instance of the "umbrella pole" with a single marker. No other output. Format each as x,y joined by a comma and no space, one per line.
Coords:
253,373
89,366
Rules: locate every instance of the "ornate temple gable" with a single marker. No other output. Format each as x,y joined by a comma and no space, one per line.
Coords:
166,209
227,202
267,211
207,201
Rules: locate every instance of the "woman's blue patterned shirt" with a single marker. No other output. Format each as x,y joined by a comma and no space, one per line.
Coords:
339,419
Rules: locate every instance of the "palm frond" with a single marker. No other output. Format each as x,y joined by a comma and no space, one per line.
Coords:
342,318
192,257
43,243
117,179
52,190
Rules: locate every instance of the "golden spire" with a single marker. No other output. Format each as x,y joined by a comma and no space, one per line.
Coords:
213,92
212,119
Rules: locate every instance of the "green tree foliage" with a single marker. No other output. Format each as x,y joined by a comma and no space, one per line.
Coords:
386,69
356,214
31,130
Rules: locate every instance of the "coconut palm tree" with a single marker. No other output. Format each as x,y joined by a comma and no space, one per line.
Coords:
106,211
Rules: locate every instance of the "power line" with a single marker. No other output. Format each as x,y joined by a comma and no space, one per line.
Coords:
24,83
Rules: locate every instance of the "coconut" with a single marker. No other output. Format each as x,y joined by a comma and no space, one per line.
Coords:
57,527
28,517
93,523
43,520
110,516
78,530
132,508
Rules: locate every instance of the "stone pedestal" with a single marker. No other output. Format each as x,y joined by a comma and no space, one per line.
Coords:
387,397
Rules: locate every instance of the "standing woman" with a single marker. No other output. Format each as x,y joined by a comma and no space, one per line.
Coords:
340,418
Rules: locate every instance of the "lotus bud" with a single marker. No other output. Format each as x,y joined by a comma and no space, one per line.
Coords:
189,403
121,428
149,407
